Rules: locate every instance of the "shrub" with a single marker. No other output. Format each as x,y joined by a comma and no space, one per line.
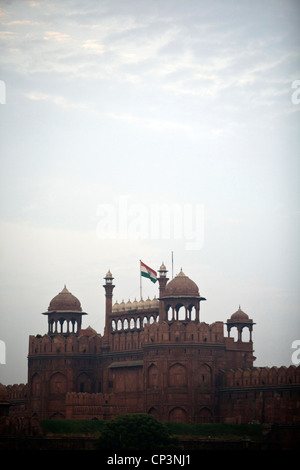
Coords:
135,432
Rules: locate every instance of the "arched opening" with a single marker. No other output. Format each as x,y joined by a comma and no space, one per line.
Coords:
36,384
205,415
153,411
204,375
245,334
192,312
234,333
180,313
84,383
178,415
153,376
58,384
177,376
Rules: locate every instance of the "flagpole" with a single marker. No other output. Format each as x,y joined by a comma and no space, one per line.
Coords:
140,281
172,266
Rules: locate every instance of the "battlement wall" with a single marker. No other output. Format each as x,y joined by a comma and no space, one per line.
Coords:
260,394
158,333
181,331
16,392
260,377
93,405
61,343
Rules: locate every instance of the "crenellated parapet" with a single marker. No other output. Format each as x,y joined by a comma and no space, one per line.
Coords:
133,315
93,406
87,341
136,305
17,392
260,394
152,332
260,377
184,332
73,398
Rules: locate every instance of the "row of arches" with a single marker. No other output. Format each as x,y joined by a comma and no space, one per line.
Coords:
178,312
61,343
132,323
181,312
260,376
177,376
240,334
62,325
180,415
57,384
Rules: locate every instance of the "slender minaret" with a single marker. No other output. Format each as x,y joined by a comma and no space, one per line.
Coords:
163,279
109,287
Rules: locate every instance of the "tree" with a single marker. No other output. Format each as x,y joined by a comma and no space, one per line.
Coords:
136,432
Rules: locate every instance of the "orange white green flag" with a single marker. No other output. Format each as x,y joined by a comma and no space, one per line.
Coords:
148,272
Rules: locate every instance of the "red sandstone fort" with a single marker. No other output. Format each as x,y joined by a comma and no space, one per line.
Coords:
155,356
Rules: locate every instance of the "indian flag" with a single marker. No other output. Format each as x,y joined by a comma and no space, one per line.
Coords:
148,272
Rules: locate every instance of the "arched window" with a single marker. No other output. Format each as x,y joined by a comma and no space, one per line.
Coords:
84,383
177,376
245,334
58,384
177,415
234,333
169,313
205,415
153,376
153,411
192,311
204,376
36,385
181,313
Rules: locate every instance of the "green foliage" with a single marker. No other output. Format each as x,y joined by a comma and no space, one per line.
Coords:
136,432
71,427
65,427
215,430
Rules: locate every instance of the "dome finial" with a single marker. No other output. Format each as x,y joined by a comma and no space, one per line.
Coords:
65,301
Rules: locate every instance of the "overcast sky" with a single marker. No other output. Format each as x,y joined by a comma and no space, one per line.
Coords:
114,111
